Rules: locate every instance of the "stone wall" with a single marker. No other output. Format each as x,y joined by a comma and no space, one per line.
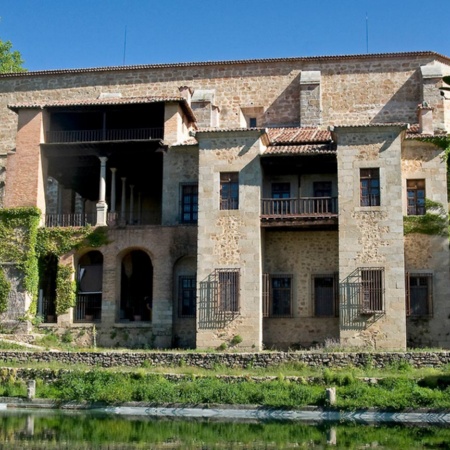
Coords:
371,237
235,360
229,239
354,90
301,254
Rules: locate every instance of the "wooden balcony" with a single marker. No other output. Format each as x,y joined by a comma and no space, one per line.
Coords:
69,136
303,212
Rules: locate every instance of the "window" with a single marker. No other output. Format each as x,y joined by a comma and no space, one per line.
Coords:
229,190
186,296
370,187
189,203
416,197
325,295
252,122
419,289
228,289
372,292
277,295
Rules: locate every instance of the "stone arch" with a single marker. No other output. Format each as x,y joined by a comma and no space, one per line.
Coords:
136,285
88,307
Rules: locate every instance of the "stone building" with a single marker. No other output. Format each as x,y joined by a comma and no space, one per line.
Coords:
255,203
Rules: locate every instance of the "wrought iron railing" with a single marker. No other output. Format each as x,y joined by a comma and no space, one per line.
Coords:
88,307
303,206
67,136
69,220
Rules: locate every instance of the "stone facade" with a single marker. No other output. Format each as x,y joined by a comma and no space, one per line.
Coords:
234,198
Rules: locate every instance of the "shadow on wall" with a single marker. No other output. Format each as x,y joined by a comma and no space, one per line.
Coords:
359,306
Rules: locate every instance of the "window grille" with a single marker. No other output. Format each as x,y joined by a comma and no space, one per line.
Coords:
372,290
228,289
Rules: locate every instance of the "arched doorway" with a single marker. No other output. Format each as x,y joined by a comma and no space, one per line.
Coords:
89,287
136,290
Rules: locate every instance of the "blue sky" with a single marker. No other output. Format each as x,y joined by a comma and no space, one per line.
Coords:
59,34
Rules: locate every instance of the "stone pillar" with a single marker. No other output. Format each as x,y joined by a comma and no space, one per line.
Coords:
123,201
113,189
139,207
102,207
131,202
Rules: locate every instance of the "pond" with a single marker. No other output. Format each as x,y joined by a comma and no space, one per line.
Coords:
85,430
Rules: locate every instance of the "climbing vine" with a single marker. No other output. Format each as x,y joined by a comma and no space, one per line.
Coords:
433,222
23,243
5,287
65,289
18,235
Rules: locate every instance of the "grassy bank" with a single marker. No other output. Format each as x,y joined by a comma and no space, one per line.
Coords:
398,389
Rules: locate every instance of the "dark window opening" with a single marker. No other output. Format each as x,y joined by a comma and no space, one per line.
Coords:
419,289
189,203
277,295
187,294
252,123
370,187
416,197
325,295
229,190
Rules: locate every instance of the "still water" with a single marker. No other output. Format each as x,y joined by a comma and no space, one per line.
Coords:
50,430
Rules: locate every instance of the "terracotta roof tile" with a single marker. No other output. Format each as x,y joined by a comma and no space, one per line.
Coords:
303,135
414,133
232,62
307,149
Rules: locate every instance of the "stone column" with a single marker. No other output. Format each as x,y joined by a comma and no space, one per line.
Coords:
131,202
113,189
123,202
102,207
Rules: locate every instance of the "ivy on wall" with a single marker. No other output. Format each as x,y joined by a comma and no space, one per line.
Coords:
433,222
23,243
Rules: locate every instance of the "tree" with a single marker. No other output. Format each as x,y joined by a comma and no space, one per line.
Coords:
10,61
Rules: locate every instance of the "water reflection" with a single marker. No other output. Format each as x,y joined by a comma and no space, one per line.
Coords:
76,430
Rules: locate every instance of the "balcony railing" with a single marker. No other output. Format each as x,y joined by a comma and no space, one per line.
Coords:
301,207
103,135
69,220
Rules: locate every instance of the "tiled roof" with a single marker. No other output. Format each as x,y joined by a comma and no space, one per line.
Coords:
187,142
228,130
414,133
96,101
306,149
233,62
305,135
109,101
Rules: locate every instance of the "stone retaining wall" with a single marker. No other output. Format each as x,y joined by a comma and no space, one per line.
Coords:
236,360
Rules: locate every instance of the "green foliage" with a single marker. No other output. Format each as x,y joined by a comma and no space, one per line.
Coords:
236,340
10,61
18,235
433,222
65,289
5,287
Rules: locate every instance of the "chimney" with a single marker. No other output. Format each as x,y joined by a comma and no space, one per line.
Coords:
425,115
187,93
